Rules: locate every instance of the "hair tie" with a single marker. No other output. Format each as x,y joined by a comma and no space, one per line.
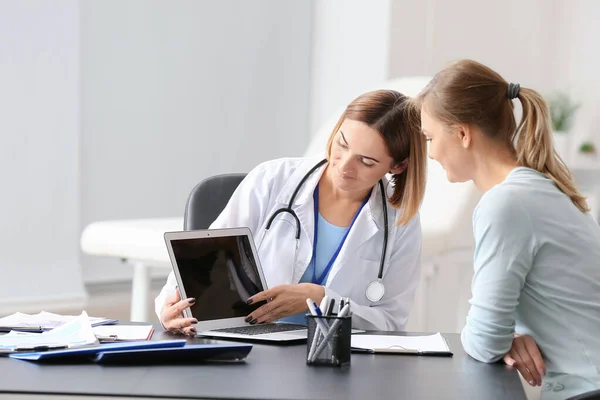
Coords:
513,90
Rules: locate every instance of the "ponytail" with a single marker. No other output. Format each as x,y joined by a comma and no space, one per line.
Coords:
472,93
534,147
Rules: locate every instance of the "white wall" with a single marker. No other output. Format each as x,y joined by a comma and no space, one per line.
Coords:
578,62
514,37
350,54
544,44
175,91
39,129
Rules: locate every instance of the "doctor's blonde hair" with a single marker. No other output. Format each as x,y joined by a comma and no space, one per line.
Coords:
398,121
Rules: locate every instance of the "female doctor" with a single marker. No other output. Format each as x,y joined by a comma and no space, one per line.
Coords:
322,228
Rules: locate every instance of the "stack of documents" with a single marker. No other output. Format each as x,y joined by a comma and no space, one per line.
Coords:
76,341
431,345
43,321
77,332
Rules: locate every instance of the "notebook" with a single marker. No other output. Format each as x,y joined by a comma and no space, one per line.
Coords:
430,345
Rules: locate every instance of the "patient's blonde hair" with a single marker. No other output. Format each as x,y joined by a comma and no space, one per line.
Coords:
398,121
468,92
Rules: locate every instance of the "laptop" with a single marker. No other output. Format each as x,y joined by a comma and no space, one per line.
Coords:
221,270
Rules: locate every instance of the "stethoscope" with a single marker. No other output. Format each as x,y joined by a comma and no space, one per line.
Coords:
375,290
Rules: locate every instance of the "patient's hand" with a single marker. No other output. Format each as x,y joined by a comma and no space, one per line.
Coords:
526,357
172,315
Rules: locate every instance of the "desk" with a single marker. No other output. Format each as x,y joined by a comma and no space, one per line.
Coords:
284,374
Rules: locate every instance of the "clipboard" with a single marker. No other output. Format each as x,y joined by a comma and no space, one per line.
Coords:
431,345
408,352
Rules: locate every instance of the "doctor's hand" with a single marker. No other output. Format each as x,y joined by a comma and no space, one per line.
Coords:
527,358
172,317
283,301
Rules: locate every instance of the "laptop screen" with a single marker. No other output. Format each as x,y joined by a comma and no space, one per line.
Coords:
220,273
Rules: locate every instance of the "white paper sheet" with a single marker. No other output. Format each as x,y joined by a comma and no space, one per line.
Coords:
45,319
433,343
77,332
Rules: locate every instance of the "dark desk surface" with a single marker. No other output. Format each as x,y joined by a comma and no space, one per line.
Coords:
275,372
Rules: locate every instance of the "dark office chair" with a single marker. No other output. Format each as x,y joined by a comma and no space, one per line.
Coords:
593,395
208,199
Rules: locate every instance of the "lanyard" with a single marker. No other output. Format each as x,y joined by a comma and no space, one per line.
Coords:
334,257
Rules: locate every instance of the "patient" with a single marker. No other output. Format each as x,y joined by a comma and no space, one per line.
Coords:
536,288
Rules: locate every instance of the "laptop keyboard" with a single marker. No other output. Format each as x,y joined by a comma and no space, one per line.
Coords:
261,329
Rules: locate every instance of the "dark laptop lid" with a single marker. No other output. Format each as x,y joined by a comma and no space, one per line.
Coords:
218,269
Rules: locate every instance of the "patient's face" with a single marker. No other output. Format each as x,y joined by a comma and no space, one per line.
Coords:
445,146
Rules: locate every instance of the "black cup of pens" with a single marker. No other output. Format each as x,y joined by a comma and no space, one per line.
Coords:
328,340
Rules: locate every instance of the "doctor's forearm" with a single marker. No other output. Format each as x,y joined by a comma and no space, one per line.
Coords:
314,292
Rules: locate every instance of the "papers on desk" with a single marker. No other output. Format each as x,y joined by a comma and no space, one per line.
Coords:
77,332
43,321
118,333
430,345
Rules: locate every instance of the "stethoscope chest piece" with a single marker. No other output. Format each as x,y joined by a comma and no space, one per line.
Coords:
375,290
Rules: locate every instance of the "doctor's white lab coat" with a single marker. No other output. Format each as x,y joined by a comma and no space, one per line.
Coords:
269,187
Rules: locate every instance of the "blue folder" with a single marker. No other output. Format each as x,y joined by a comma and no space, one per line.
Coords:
189,354
89,353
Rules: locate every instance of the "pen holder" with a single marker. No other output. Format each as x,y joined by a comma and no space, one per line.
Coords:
331,349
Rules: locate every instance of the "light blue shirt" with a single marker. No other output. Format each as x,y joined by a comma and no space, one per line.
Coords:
328,240
537,272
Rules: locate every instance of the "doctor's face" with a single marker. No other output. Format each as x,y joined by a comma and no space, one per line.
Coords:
359,157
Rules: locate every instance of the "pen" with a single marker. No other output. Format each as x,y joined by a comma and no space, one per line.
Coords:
44,347
108,338
329,310
22,328
316,311
348,304
324,302
324,322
